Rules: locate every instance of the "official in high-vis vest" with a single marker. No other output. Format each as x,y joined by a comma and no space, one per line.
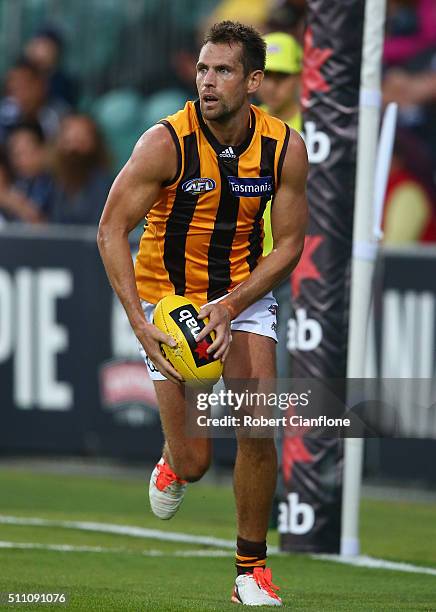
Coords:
280,94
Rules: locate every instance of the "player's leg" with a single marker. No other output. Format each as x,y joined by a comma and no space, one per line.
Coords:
184,459
188,457
252,356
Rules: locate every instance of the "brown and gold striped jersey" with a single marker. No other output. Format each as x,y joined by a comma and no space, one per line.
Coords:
204,234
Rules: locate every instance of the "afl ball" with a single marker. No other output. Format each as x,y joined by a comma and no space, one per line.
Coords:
177,316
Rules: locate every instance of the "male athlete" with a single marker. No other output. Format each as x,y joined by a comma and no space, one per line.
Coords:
203,177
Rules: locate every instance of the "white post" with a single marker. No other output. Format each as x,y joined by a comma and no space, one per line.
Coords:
383,165
364,251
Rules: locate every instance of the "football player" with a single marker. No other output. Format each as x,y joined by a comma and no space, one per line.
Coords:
205,242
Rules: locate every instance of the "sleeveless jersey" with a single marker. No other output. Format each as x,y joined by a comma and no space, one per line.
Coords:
204,234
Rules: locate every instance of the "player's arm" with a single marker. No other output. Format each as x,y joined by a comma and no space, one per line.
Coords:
136,188
288,224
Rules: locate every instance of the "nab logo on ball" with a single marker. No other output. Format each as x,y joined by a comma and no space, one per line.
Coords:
178,317
186,318
197,186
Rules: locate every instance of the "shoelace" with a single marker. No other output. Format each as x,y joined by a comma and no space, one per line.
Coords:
166,477
263,578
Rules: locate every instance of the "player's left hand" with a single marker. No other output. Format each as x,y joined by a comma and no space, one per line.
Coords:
219,322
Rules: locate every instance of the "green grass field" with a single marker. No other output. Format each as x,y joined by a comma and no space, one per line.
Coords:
150,574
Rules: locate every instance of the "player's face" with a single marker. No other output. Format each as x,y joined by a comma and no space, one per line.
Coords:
279,91
221,83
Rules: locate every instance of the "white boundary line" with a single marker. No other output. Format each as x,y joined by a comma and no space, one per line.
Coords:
371,562
102,549
170,536
358,561
127,530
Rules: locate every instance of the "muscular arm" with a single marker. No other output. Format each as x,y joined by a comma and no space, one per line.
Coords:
135,190
288,223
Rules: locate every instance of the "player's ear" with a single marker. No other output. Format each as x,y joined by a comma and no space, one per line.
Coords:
255,79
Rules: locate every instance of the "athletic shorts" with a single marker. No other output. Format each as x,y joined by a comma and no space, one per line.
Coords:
259,318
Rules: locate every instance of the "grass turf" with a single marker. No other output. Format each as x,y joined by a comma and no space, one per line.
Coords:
134,580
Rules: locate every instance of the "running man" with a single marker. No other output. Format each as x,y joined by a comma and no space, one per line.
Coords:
203,177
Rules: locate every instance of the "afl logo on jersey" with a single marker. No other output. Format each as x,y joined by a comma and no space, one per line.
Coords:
198,185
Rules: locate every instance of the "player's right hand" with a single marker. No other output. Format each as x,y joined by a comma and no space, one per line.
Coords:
150,337
219,322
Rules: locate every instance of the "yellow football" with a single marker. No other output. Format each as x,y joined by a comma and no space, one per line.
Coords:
177,316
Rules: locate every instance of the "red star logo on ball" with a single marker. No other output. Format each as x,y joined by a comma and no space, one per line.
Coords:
306,268
201,349
314,58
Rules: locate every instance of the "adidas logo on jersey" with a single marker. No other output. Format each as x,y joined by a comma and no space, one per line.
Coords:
228,153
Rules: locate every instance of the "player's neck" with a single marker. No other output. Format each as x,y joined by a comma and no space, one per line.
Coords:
233,131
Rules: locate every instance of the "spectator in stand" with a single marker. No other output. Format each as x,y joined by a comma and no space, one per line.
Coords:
5,182
183,63
45,51
81,169
28,157
409,214
14,206
411,30
410,58
416,98
411,89
287,16
280,94
251,12
26,101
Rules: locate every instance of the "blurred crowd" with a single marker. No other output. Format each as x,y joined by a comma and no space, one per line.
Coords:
58,156
410,80
59,153
54,165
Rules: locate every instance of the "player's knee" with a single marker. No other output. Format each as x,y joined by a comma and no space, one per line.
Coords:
193,468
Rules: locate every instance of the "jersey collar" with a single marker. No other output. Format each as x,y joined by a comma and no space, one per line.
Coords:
217,146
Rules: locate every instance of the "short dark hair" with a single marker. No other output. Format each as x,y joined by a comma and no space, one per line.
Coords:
53,35
32,127
252,43
23,63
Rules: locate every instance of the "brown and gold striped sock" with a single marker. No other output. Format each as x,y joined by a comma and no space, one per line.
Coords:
249,555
